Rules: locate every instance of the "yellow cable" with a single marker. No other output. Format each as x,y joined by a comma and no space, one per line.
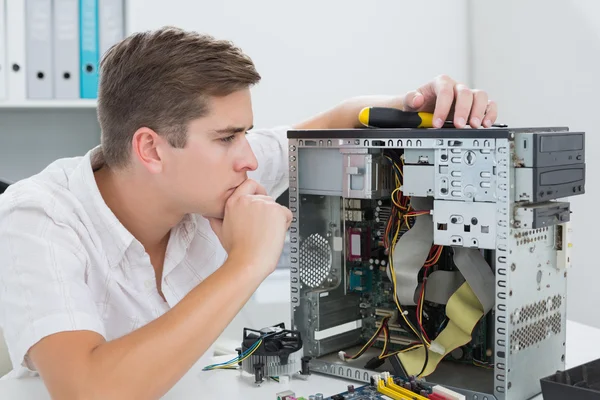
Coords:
373,338
394,199
416,346
385,335
390,257
239,361
421,301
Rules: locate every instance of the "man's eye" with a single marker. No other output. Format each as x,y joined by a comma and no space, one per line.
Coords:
228,139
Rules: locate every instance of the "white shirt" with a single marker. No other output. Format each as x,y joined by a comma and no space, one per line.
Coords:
67,263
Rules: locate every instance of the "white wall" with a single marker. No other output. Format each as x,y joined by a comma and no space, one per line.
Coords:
540,60
313,54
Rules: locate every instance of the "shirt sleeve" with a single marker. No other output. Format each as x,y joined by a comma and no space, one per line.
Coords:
42,278
270,147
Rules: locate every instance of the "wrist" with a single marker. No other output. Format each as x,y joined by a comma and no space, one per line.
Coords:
251,267
394,102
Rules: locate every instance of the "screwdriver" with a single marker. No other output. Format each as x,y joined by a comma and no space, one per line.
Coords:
387,117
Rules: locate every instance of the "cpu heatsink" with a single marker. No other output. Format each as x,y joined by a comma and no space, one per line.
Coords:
278,353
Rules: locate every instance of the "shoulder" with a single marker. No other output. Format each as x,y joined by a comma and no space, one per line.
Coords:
44,194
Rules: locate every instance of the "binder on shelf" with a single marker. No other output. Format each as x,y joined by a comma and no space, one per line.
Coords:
38,27
111,24
3,66
66,49
89,57
15,46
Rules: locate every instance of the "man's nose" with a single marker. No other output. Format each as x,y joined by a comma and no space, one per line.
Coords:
246,161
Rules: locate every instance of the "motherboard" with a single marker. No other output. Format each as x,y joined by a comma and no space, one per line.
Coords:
368,279
366,392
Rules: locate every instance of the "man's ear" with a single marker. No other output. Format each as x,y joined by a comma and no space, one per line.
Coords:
145,146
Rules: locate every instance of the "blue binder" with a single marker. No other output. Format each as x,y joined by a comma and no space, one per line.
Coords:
88,25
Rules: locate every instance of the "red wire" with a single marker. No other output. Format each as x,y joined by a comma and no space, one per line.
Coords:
421,301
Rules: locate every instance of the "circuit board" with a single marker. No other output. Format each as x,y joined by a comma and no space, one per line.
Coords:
369,392
367,277
366,392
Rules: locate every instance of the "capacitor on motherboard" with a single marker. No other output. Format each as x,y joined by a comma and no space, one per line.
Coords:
350,388
319,396
413,385
311,397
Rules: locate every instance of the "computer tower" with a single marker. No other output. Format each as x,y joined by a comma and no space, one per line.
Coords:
457,241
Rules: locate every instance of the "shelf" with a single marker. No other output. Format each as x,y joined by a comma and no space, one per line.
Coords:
48,104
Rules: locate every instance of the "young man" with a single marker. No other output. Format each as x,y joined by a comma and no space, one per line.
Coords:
119,269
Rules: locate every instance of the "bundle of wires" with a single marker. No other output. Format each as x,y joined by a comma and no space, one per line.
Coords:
483,364
386,334
434,256
402,213
234,362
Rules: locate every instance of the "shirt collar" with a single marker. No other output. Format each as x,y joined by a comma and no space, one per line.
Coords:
115,238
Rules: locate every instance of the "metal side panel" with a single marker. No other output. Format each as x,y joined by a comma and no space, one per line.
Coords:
536,305
294,227
504,188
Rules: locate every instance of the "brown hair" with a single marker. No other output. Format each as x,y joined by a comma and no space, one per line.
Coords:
162,80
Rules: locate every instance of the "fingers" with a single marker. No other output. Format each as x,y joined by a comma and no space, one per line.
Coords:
491,114
249,186
288,215
444,90
480,103
462,108
268,199
260,197
471,107
413,101
448,99
260,189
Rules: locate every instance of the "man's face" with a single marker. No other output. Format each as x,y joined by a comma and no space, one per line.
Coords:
217,156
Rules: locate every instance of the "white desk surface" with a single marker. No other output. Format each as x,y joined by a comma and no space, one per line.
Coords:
582,346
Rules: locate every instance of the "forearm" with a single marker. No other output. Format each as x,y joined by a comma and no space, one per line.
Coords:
150,360
345,115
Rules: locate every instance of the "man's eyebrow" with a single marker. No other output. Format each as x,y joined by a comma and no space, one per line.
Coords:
232,130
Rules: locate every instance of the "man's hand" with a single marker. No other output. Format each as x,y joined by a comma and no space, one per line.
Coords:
448,99
443,96
253,226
